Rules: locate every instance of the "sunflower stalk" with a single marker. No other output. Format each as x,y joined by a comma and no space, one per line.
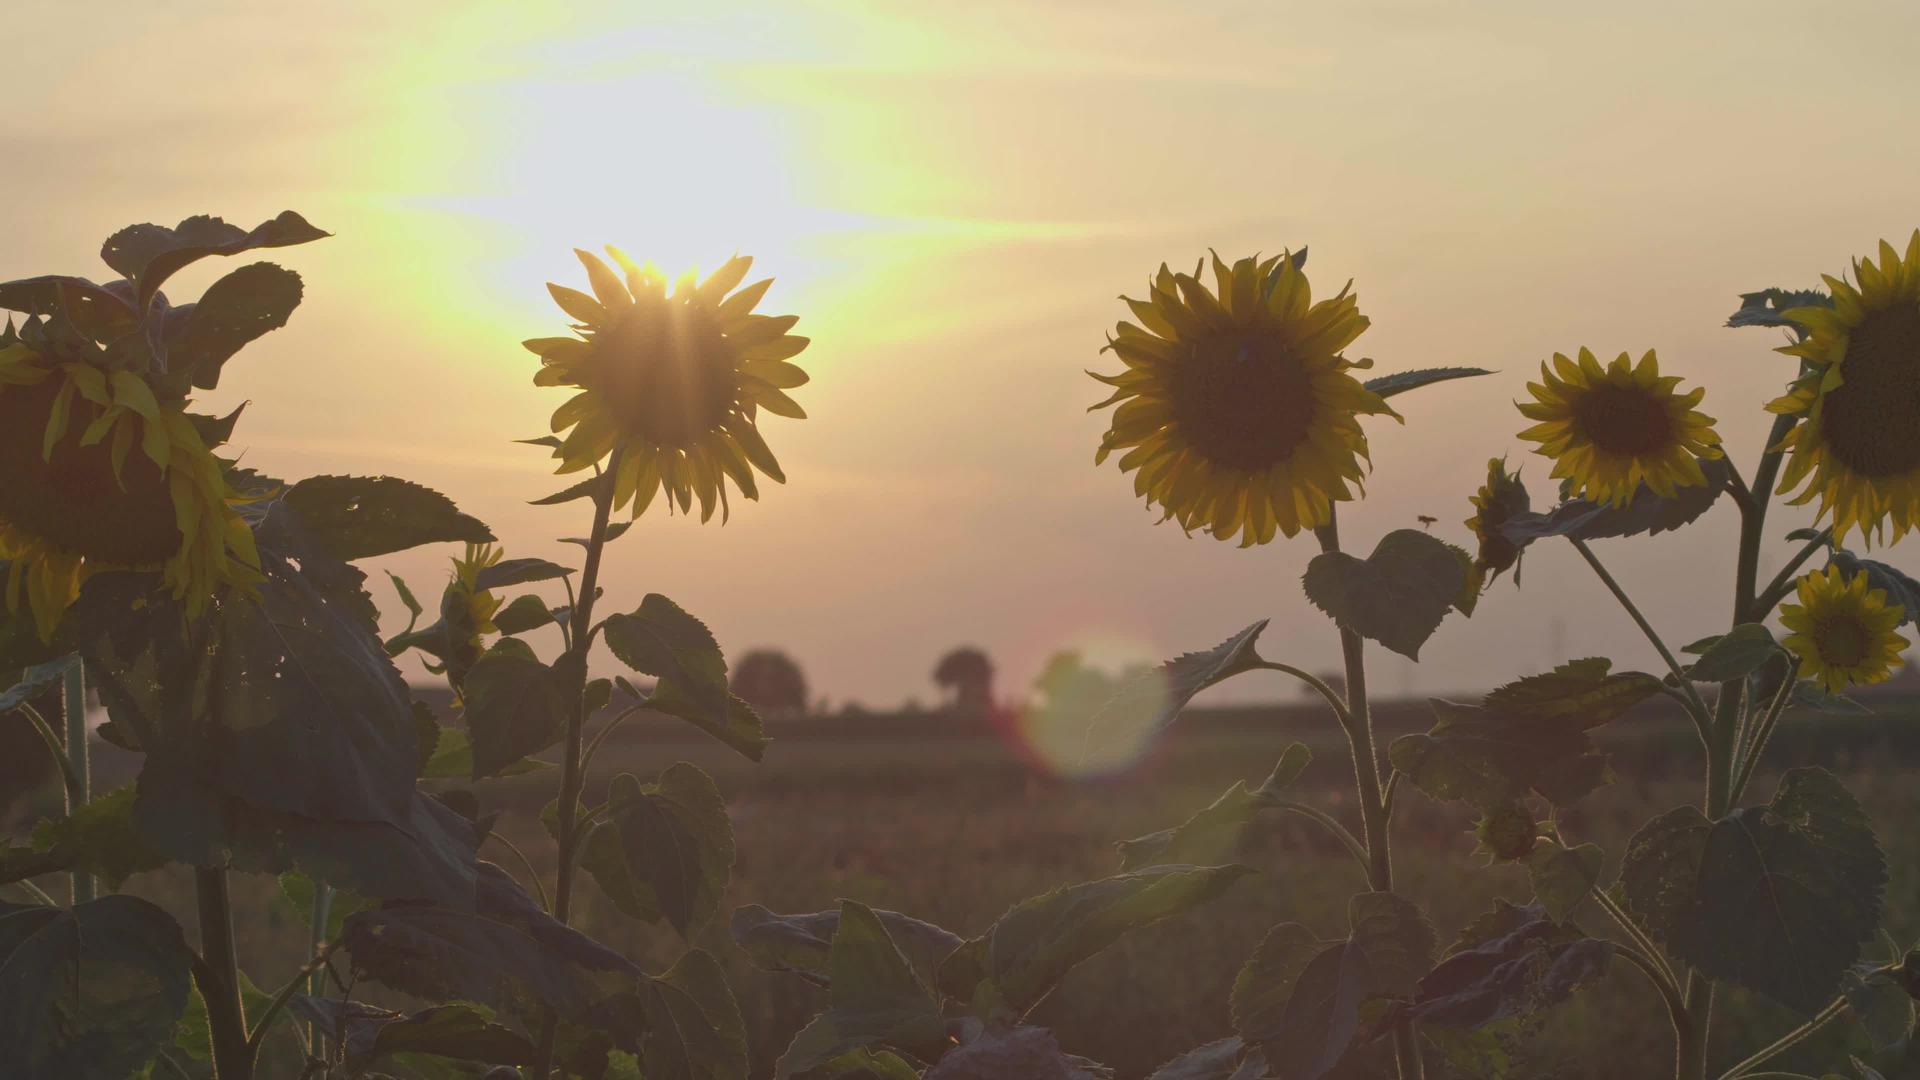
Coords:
579,638
79,789
217,970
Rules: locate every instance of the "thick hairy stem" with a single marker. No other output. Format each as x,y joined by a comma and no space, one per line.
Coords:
80,789
1373,806
572,775
218,972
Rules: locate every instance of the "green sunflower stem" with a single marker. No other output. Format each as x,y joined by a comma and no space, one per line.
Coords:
217,970
572,778
1696,708
1358,722
79,791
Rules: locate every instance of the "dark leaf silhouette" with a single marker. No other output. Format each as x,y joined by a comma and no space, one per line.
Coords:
1395,596
665,849
1402,381
149,254
1646,512
1525,962
802,944
358,517
876,1000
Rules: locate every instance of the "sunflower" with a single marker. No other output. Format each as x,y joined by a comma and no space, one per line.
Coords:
1608,430
1236,411
1497,502
1857,447
79,499
672,380
1843,631
469,609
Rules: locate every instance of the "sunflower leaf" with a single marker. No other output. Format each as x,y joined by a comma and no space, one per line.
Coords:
1212,836
1489,758
358,517
1584,689
738,726
368,1034
1900,588
876,999
1766,307
1527,963
243,306
1778,897
1647,512
524,613
1221,1059
517,572
1395,596
515,706
1562,877
660,639
148,255
1402,381
1732,655
802,944
665,849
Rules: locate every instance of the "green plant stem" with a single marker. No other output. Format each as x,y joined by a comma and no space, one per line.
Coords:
1319,685
218,973
1635,934
57,747
77,795
579,640
303,978
39,894
317,921
1782,582
1786,1042
606,729
533,875
1337,830
1756,747
1657,975
1373,806
1698,709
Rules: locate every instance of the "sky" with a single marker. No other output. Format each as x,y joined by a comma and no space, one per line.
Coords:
951,197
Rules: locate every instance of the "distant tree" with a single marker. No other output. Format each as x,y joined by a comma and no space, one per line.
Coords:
771,682
965,675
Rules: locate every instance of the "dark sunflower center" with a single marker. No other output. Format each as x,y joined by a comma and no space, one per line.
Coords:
1622,420
1872,420
73,500
1843,642
1243,403
666,373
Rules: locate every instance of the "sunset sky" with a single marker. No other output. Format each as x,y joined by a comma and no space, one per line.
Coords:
951,196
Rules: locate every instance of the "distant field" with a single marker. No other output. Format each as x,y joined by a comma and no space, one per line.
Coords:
954,829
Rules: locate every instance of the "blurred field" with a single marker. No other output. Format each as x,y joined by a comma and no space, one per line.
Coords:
955,828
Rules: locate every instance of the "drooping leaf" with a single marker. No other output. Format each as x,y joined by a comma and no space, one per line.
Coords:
802,944
876,1000
1395,596
36,680
1489,759
1766,307
88,993
1776,897
515,706
1213,835
582,490
666,849
1153,701
1402,381
738,726
1732,655
1300,1000
149,254
358,517
1531,963
522,614
1882,1006
1221,1059
662,640
239,308
1901,589
369,1035
509,572
99,838
1031,948
1563,877
1646,512
1578,689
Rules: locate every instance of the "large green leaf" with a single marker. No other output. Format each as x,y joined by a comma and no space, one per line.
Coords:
738,725
1519,962
100,839
876,1000
1732,655
90,993
803,944
1395,596
358,517
1153,701
1031,948
660,639
664,849
1563,877
235,310
692,1026
1776,897
515,706
509,572
369,1035
1213,835
1299,999
1581,689
1400,382
1221,1059
149,254
1646,512
1489,758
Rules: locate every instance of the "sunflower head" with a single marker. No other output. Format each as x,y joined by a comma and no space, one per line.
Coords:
1857,446
1506,833
1237,413
1497,502
1843,631
473,608
1609,429
101,475
673,379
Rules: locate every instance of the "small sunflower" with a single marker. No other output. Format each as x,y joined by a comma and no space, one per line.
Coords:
1236,412
1497,502
1843,631
1857,447
102,476
673,379
470,610
1608,430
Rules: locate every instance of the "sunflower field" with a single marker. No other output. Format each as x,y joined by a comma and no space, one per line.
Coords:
221,618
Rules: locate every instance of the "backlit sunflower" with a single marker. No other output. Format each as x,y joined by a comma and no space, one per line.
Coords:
101,476
1857,447
469,610
1237,414
1843,630
1608,430
1495,504
675,379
